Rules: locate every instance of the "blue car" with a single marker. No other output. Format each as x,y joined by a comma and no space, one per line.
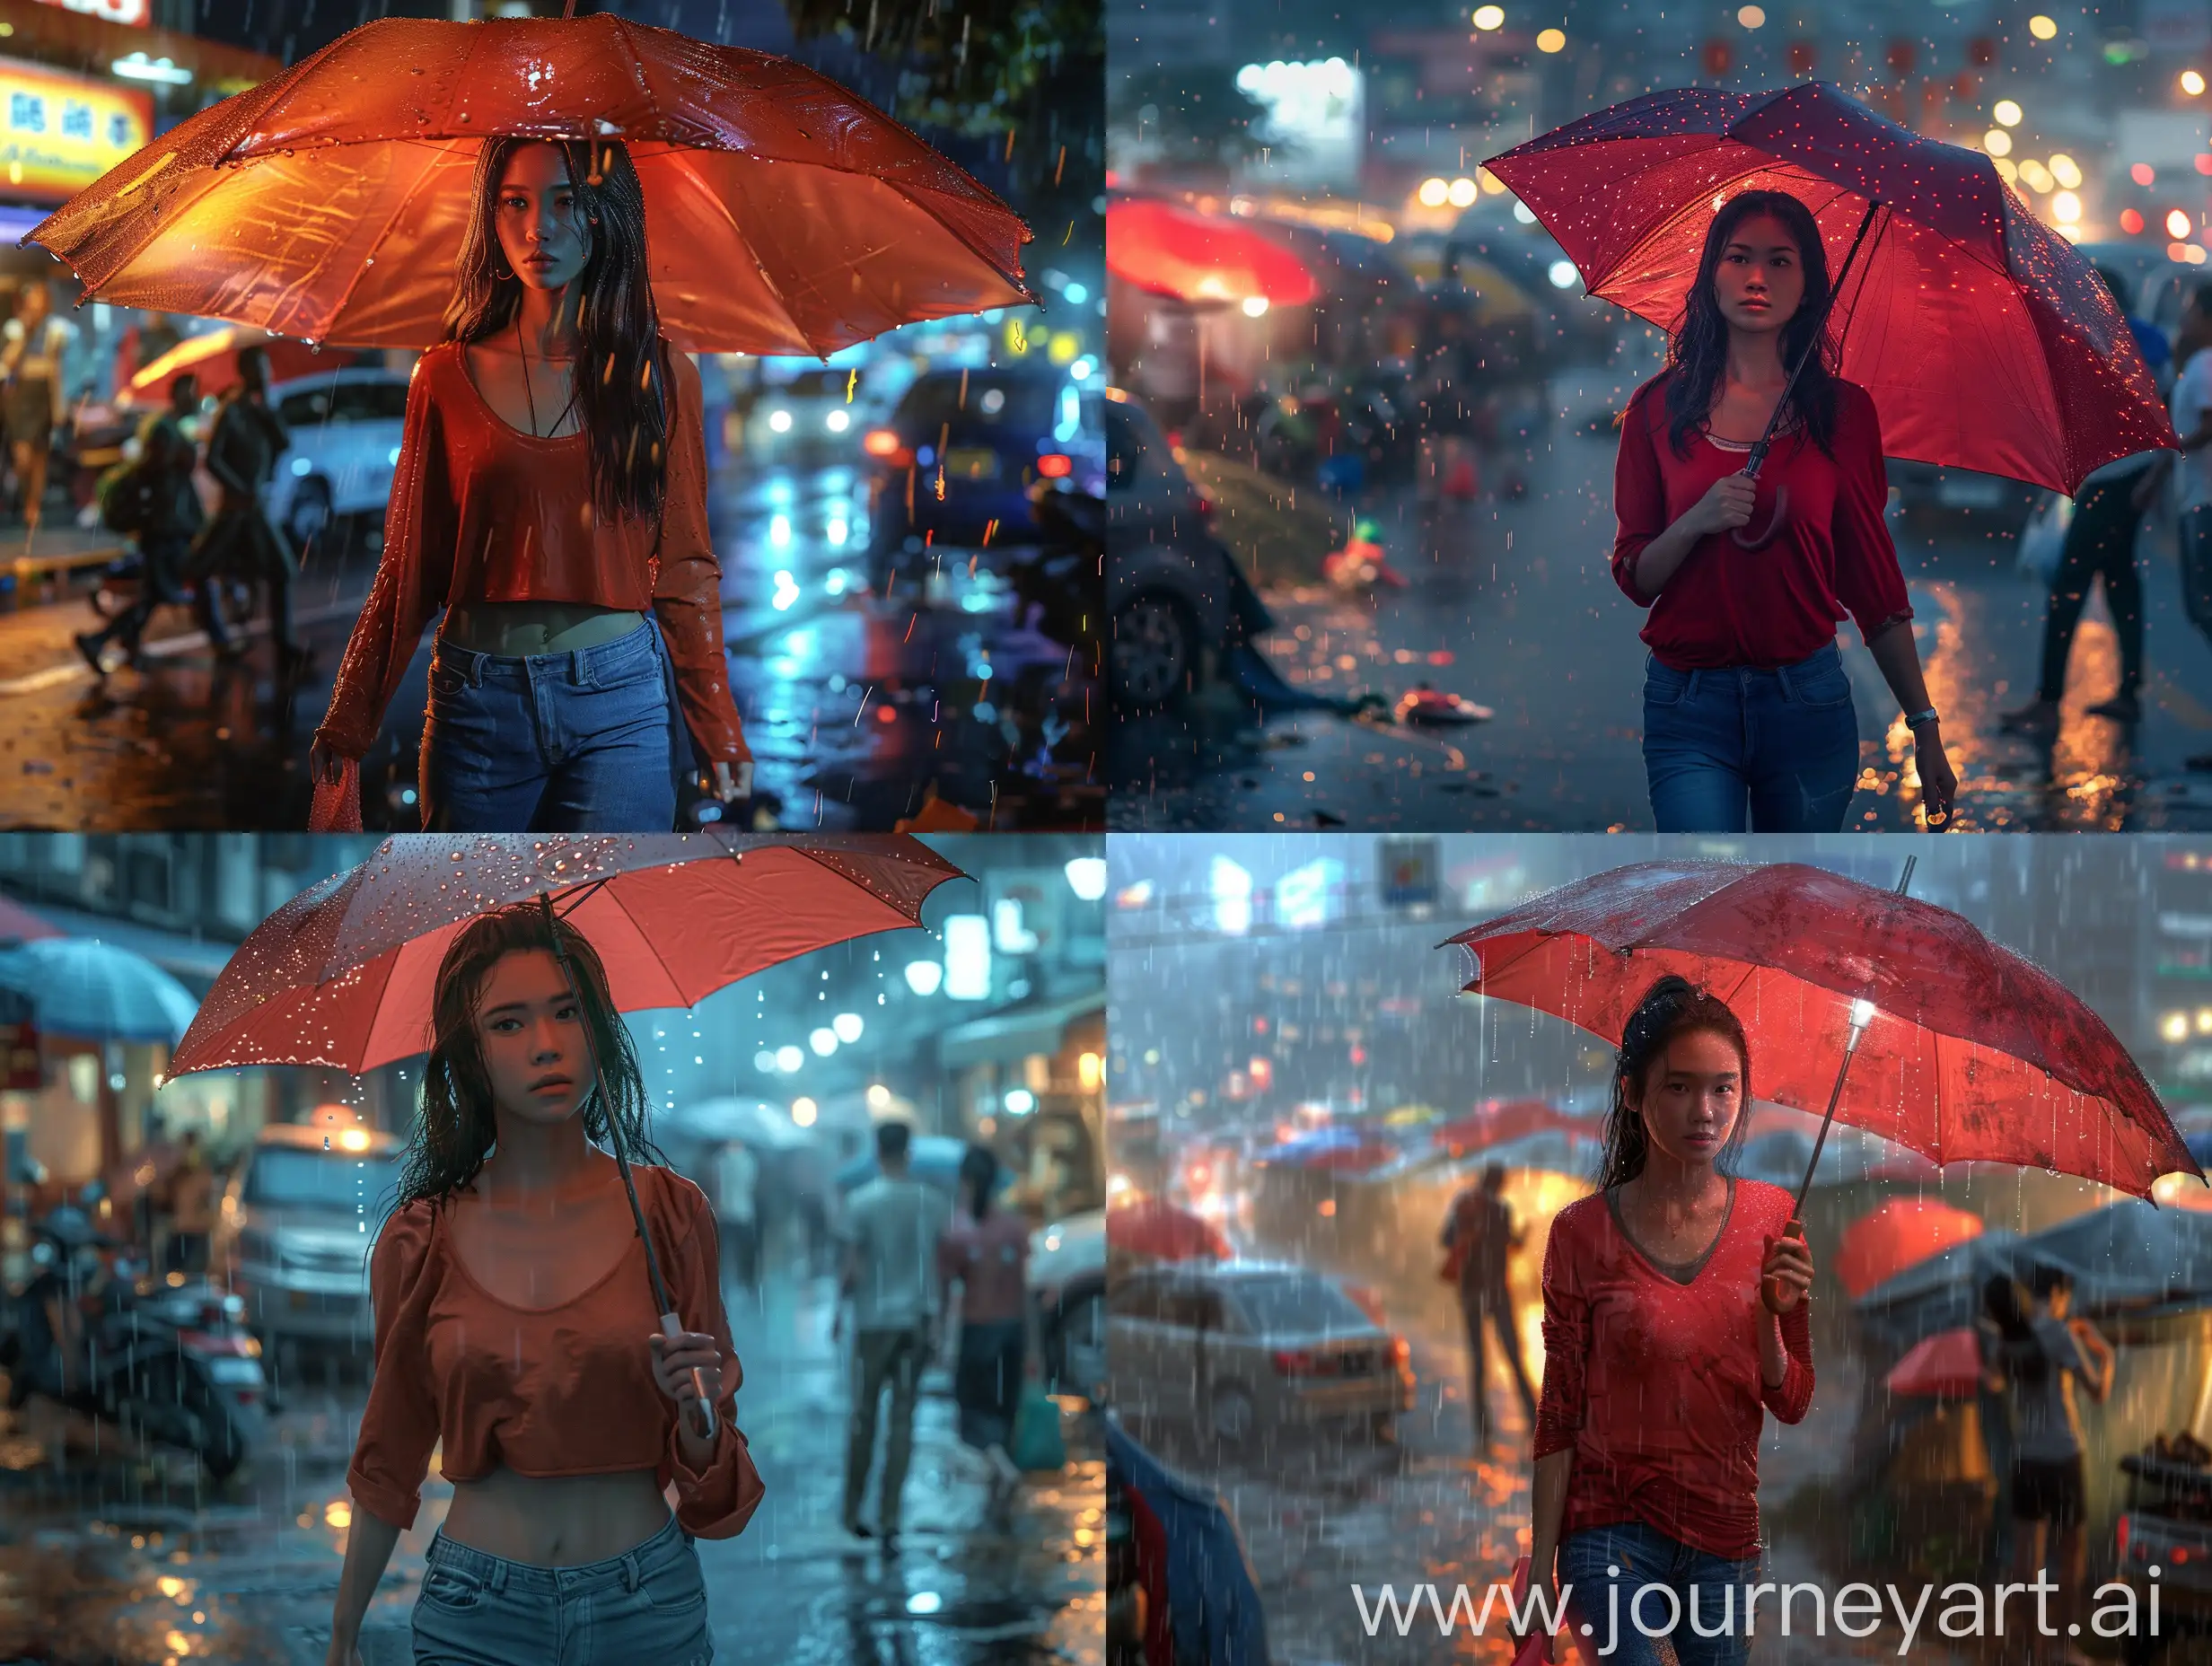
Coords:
953,466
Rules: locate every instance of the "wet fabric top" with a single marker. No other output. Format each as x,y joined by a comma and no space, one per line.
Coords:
1829,554
990,1259
1654,1384
565,1390
482,512
892,1228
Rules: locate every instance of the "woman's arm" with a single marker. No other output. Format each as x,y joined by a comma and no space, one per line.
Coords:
2101,1358
1648,550
1898,657
717,1488
369,1543
1548,1515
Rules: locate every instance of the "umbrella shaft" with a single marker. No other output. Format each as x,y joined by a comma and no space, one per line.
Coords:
1834,1097
1812,346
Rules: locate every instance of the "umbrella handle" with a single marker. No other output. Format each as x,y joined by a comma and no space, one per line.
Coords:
700,1414
1771,1286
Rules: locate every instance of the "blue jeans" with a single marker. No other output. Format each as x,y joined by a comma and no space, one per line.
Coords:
648,1604
578,742
1736,750
1641,1557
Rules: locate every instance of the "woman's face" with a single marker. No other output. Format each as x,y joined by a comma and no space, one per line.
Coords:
1760,280
543,230
1691,1097
530,1030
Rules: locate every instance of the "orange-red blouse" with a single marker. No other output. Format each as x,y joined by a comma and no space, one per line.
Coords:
482,512
545,1391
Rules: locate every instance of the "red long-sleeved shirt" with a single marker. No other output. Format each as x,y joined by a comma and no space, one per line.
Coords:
1780,603
482,512
1655,1385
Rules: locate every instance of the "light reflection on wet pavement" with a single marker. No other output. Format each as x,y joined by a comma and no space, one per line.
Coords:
104,1559
1510,604
858,706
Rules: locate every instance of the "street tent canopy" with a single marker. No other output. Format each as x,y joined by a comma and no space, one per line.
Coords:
92,991
1004,1038
752,1122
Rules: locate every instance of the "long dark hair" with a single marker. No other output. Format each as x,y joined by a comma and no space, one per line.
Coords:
1697,354
979,1177
1672,1007
456,1130
622,364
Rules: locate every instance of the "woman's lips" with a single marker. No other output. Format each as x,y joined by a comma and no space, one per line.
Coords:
550,1084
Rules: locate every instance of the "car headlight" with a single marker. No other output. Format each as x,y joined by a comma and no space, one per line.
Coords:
779,422
838,421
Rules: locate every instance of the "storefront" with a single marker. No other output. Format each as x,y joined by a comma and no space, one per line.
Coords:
1031,1082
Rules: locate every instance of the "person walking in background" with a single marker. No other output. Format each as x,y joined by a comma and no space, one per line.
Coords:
2003,1325
190,1198
1480,1237
737,1173
34,347
2050,1488
2192,424
1749,721
892,1226
142,344
241,541
985,1252
173,516
2100,543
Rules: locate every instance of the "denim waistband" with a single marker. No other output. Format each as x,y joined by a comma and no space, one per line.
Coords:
626,1570
580,666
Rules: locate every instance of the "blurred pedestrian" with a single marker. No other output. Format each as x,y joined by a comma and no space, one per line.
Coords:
2003,1326
2100,543
2192,424
985,1252
2050,1487
1676,1316
34,346
737,1173
892,1225
1480,1237
242,542
144,342
545,533
1749,720
190,1200
168,457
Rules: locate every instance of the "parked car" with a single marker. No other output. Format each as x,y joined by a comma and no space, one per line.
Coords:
2002,506
2166,1525
346,427
806,415
1067,1282
1169,581
954,465
297,1223
1236,1348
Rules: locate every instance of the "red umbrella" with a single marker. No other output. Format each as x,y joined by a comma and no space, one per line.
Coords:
784,215
1947,1365
1902,1233
1985,339
20,924
343,974
1190,256
1955,1047
1152,1227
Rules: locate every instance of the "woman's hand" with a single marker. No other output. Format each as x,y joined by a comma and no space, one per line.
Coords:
732,782
324,767
1785,1275
675,1358
1939,782
1726,506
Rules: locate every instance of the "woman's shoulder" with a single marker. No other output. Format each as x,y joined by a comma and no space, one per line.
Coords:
1583,1217
680,1196
404,1241
1854,404
1651,395
1764,1204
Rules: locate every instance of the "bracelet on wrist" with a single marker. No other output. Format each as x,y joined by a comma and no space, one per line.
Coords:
1921,720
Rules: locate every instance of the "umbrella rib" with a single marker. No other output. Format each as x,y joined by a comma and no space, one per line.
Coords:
669,971
397,208
680,160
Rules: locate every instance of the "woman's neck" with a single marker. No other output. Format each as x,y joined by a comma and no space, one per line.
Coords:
535,1161
1672,1186
547,321
1755,359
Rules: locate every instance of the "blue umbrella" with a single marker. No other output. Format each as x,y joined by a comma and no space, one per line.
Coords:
92,991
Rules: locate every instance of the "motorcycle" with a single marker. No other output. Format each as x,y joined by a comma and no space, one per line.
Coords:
1061,583
167,1359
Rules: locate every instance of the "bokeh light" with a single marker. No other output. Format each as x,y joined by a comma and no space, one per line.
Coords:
2042,27
1551,41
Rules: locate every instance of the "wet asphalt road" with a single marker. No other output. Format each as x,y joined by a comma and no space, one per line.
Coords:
858,706
1510,604
106,1559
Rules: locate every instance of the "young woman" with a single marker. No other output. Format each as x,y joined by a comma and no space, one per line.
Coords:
2048,1496
515,1326
1675,1318
551,489
985,1252
36,346
1748,719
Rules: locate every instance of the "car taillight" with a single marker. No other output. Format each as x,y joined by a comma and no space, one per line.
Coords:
1304,1363
1056,466
884,443
2124,1525
1400,1354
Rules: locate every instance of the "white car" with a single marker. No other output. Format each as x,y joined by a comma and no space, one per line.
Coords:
346,427
1067,1282
810,412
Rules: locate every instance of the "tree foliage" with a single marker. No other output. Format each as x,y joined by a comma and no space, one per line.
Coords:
1197,112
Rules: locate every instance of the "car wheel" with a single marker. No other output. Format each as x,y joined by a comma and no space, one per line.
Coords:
310,516
1155,647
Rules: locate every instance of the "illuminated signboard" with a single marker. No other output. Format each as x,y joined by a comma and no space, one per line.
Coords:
60,132
136,13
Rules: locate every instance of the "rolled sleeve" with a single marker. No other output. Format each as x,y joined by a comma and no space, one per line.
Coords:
686,591
1790,1398
1566,1348
718,1501
1639,493
400,1426
1869,583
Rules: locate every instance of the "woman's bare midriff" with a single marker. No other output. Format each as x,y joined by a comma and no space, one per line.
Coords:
516,629
557,1521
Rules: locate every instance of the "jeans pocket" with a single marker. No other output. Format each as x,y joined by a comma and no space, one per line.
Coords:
679,1586
1823,687
1664,686
448,1588
636,662
446,683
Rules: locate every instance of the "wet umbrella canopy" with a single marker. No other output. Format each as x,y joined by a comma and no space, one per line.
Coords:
786,214
92,991
1967,1052
1185,256
1986,340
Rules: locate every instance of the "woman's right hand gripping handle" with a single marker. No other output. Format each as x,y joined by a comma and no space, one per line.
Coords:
369,1542
1726,506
